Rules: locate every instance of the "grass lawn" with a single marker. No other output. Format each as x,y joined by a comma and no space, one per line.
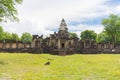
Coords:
25,66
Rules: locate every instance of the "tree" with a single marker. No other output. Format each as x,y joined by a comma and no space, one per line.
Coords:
88,34
7,37
15,37
103,37
112,27
26,38
8,10
72,35
1,33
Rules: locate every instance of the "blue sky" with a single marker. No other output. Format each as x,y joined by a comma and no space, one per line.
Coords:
44,16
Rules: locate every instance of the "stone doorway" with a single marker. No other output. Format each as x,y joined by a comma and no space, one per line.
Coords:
63,45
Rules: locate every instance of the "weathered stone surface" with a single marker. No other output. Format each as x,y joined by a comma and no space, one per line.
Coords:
59,43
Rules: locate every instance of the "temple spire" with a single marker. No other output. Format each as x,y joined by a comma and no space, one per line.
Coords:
63,25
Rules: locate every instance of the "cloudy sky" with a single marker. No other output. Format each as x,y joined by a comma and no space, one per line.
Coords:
44,16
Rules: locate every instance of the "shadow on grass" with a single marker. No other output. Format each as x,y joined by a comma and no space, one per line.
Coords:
3,63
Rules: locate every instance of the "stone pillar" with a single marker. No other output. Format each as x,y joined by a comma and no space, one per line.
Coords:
59,45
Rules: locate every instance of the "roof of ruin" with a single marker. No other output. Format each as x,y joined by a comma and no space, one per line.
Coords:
63,25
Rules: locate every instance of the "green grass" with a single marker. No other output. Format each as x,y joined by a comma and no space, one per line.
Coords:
25,66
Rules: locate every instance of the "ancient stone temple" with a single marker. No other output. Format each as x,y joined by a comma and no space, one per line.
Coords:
63,37
60,43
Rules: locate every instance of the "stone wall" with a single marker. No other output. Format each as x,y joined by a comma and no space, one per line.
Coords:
18,47
73,46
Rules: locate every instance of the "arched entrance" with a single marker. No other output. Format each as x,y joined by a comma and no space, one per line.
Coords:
63,45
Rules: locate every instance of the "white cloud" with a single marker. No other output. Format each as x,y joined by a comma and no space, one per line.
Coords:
41,16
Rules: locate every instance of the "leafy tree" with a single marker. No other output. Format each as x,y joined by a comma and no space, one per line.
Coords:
15,37
112,27
7,37
1,33
103,37
26,37
8,10
72,35
88,34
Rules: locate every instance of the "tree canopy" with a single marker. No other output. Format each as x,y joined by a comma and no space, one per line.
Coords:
112,27
6,37
1,32
14,37
26,37
8,10
103,37
72,35
88,34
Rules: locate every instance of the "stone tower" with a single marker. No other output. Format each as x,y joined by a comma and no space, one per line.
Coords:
63,26
63,36
63,30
